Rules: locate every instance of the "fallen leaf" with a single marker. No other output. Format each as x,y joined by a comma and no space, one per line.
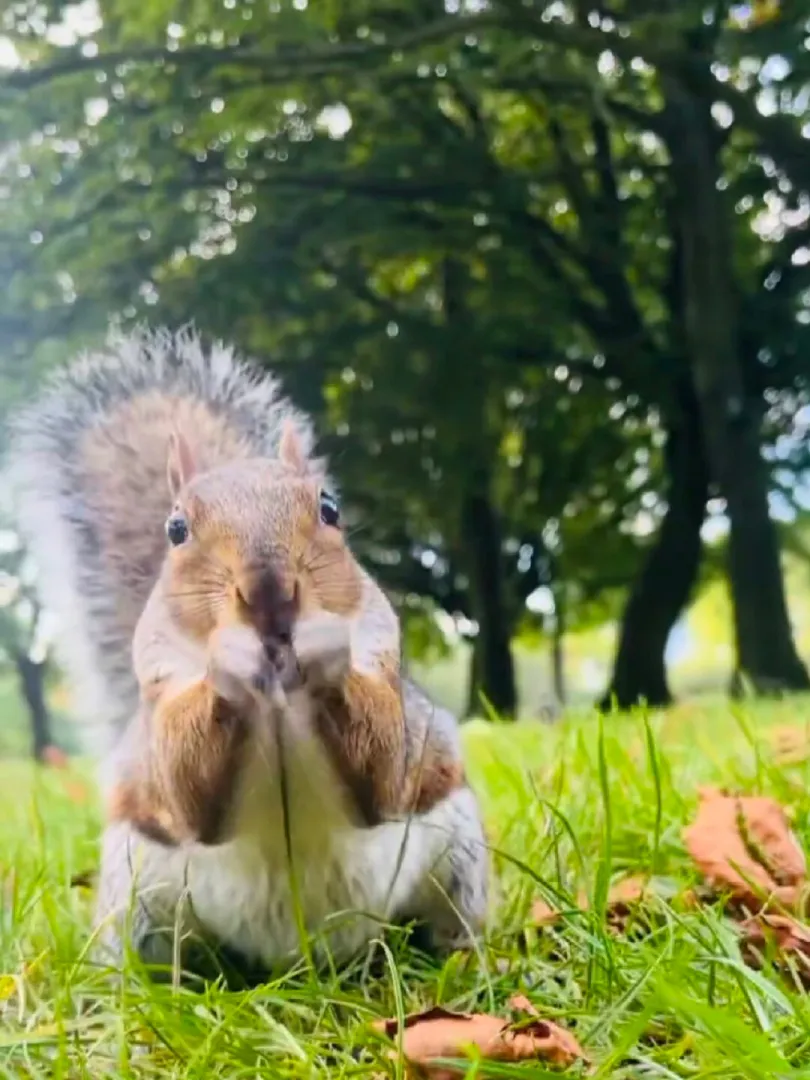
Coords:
439,1034
544,914
769,832
744,845
791,938
522,1004
623,897
789,738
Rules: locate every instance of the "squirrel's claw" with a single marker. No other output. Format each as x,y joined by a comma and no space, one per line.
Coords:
322,647
238,665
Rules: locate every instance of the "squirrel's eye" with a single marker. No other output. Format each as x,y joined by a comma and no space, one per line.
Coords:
177,530
330,512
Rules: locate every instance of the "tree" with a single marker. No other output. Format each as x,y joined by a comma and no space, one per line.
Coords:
23,645
493,207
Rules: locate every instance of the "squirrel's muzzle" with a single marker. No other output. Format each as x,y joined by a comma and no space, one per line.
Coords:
268,605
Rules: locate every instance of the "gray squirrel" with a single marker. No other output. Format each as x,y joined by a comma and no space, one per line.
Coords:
265,763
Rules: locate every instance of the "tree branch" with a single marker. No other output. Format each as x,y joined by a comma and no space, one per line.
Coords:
777,134
281,65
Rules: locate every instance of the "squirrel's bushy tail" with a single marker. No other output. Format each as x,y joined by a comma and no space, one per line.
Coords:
88,470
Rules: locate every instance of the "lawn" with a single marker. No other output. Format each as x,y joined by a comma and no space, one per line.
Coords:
569,807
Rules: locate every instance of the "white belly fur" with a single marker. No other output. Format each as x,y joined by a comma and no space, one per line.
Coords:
349,878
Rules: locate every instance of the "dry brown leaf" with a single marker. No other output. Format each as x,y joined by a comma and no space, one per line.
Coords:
789,738
439,1033
522,1004
791,745
769,831
544,914
623,896
744,844
789,936
624,900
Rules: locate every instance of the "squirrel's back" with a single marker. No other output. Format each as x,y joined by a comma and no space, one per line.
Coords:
88,468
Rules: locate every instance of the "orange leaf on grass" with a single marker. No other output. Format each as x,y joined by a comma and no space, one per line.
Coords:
439,1034
791,744
544,914
623,896
522,1004
791,938
744,844
769,831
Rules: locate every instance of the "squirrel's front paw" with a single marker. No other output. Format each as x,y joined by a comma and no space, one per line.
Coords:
322,647
238,665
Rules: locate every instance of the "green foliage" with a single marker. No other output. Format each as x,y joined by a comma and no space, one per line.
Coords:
565,810
452,234
21,630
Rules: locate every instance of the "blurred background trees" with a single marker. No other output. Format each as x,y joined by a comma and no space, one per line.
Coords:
540,270
24,642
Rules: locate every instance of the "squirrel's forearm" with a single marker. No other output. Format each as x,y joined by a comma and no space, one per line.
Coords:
138,801
196,744
362,722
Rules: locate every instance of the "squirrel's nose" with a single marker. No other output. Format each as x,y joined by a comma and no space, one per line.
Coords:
270,607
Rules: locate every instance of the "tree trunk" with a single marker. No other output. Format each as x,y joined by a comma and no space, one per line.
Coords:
494,670
474,678
662,589
31,677
766,652
557,649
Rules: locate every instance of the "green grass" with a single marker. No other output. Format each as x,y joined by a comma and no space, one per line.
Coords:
568,807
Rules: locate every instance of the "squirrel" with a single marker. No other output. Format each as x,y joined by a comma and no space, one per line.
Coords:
267,769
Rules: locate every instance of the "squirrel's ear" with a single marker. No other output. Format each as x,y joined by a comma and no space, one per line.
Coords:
291,449
180,466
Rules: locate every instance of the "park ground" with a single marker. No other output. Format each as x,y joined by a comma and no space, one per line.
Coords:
569,807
